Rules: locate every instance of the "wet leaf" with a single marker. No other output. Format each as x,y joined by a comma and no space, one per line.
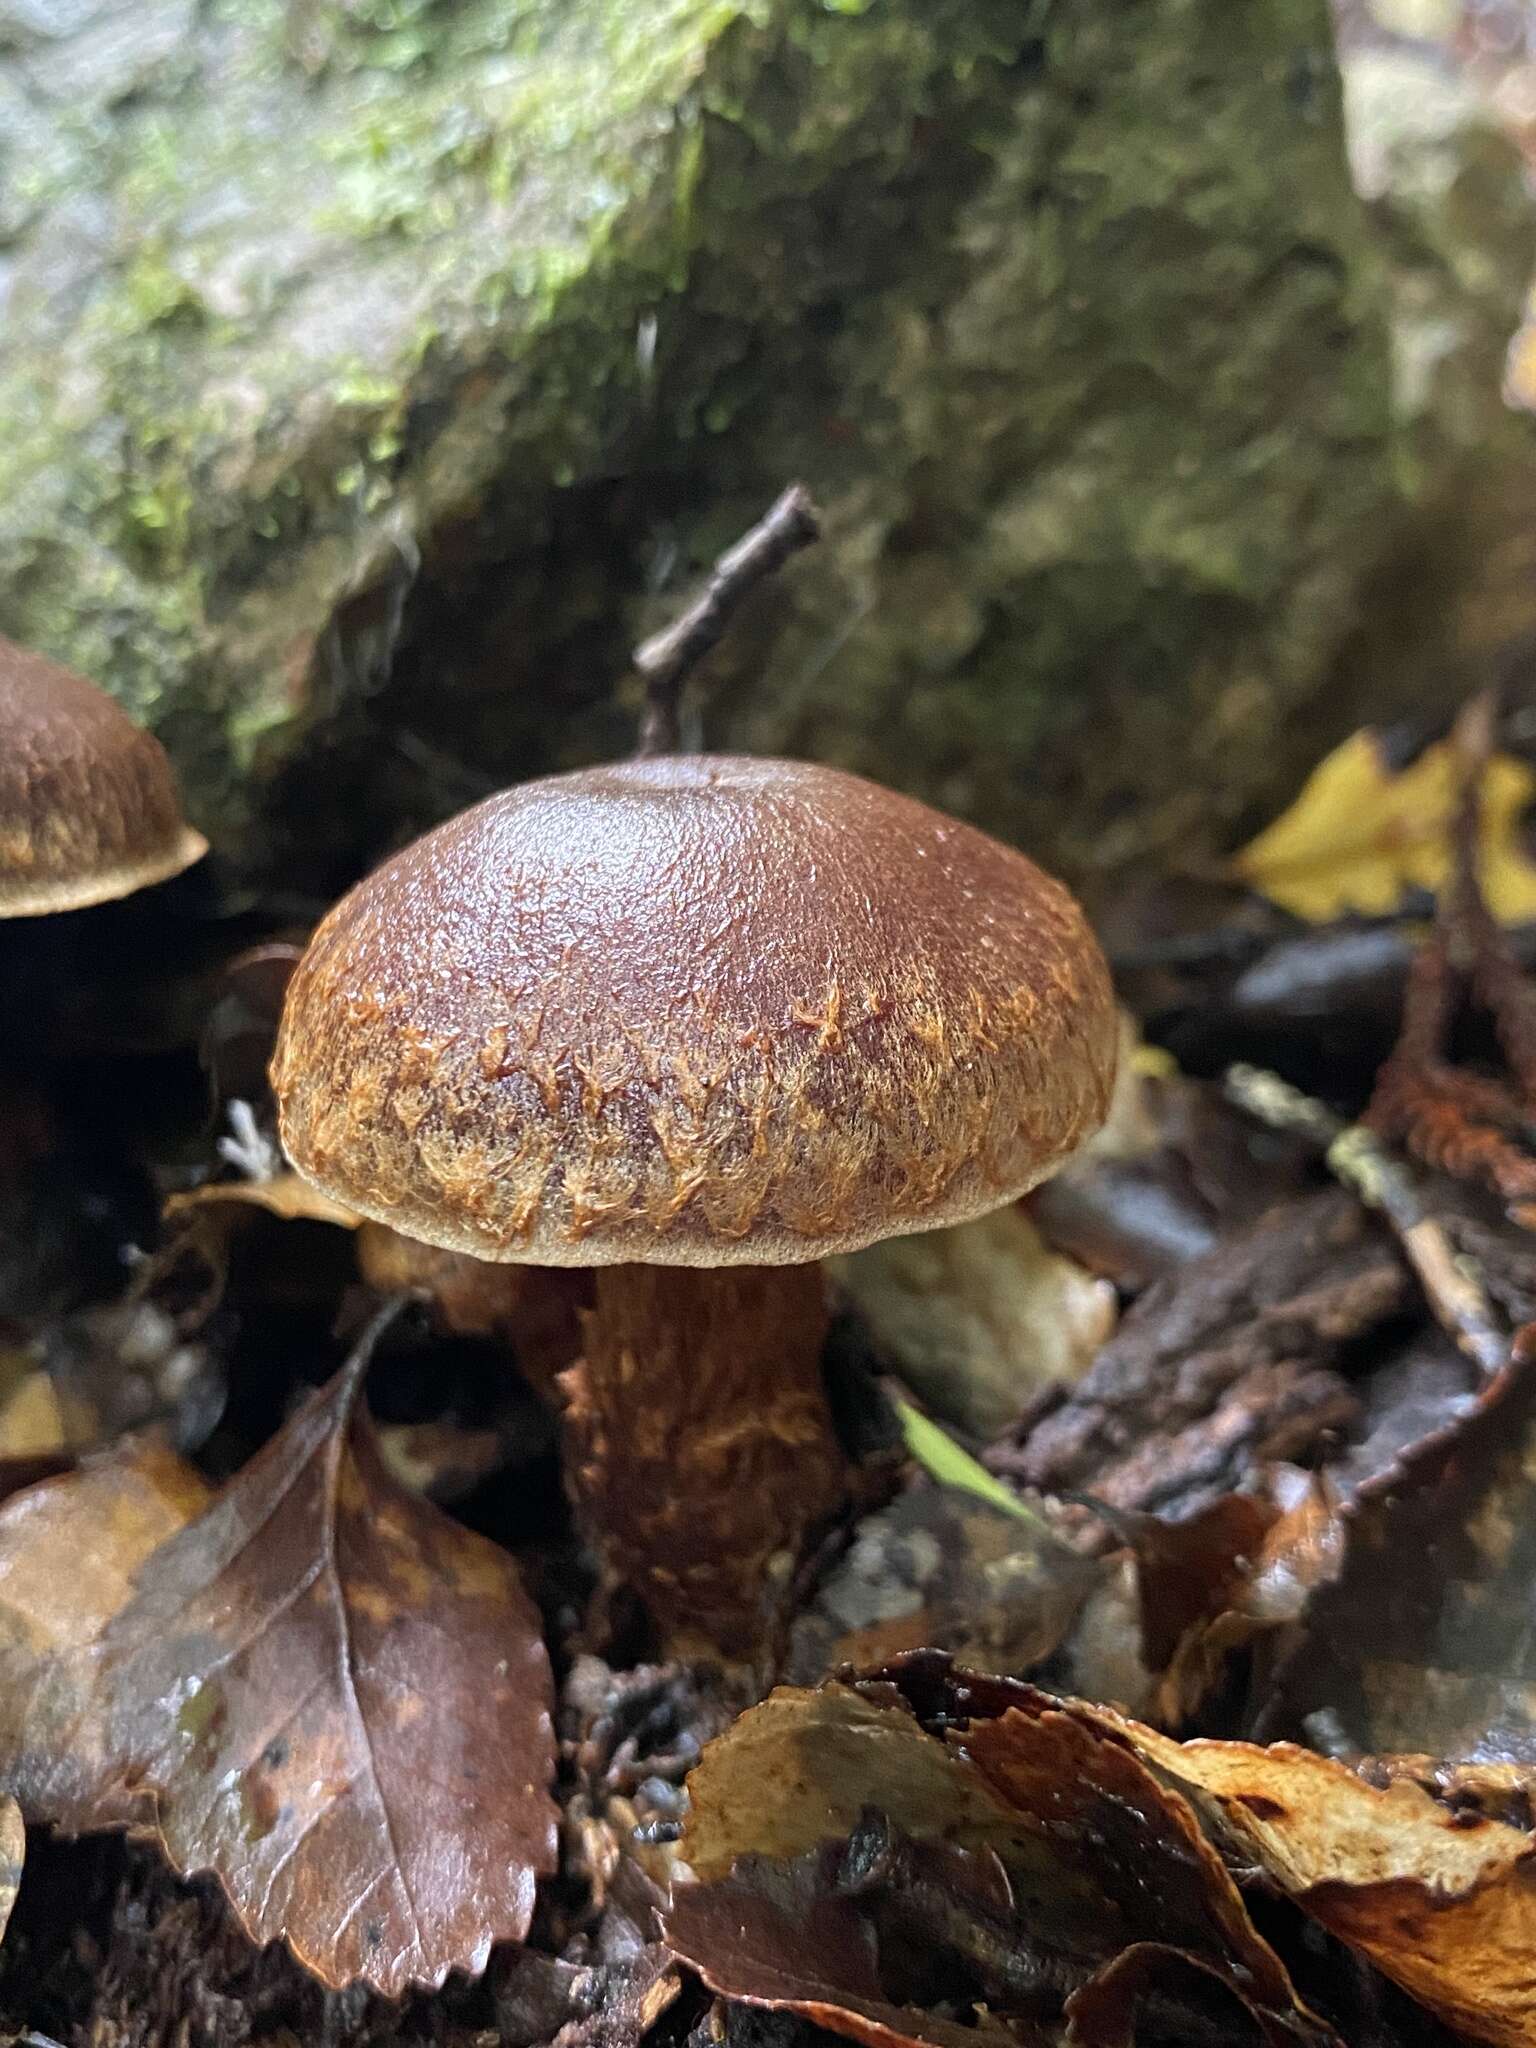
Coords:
945,1460
940,1568
853,1866
1188,1573
978,1318
106,1519
1361,835
1443,1903
13,1850
774,1937
316,1685
282,1195
1438,1659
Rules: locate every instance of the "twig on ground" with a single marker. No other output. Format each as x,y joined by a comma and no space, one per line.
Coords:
1468,1126
668,658
1357,1157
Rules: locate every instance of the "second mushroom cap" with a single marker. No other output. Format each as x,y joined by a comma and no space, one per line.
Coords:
88,803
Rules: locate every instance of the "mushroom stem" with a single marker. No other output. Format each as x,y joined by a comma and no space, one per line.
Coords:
700,1446
667,659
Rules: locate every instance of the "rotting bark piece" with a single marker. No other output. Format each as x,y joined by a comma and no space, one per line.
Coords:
1227,1364
88,804
695,1012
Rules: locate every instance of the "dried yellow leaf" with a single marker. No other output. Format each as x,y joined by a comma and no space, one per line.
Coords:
1520,364
284,1196
1359,837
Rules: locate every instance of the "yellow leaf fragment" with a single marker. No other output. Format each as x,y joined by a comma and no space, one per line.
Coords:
285,1196
1359,837
1520,363
13,1849
1445,1903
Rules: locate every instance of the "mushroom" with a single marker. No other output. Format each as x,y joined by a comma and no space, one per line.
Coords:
695,1022
88,804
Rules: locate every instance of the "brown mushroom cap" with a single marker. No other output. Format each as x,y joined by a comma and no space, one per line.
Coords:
693,1011
88,805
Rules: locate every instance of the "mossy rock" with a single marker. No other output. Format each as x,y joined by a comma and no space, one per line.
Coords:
375,371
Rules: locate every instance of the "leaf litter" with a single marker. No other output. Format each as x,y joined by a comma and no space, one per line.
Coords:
1061,1814
313,1683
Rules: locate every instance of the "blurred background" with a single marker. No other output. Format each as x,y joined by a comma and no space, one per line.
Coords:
375,372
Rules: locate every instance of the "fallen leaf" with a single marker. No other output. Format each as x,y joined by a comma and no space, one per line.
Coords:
978,1318
773,1937
316,1685
942,1569
533,1310
283,1195
1253,1601
939,1455
106,1519
1361,835
1439,1659
1444,1904
13,1850
1189,1575
854,1866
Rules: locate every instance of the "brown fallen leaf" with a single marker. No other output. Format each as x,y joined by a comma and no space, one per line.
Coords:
13,1850
1438,1659
780,1938
1254,1597
316,1685
855,1865
70,1552
1443,1903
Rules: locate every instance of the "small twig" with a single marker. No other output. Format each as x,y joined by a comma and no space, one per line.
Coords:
667,659
1459,1123
1357,1157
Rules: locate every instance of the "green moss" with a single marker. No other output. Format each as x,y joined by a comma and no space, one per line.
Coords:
1064,310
